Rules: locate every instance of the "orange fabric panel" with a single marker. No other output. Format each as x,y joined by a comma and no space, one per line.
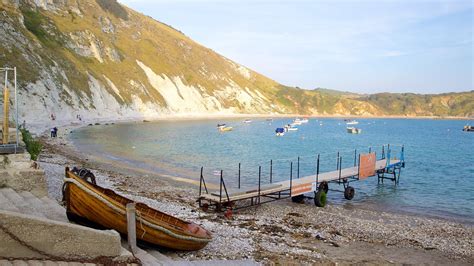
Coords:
301,189
366,165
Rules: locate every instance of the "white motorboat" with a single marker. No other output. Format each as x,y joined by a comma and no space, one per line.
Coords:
352,122
354,130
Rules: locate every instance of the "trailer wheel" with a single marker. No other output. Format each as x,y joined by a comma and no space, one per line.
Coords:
324,186
320,198
298,199
349,193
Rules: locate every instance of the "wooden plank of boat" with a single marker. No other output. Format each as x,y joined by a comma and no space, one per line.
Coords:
104,207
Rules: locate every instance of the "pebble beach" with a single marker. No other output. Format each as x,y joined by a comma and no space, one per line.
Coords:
281,232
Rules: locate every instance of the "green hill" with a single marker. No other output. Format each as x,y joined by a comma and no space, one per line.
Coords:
99,59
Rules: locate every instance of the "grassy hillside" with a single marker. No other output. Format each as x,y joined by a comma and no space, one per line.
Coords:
99,57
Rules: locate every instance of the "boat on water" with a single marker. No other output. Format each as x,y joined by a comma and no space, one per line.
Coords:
280,131
225,129
92,205
247,121
354,130
468,128
304,120
297,122
290,127
352,122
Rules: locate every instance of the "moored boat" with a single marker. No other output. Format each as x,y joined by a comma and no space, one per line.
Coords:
247,121
280,131
354,130
468,128
352,122
290,127
225,128
88,203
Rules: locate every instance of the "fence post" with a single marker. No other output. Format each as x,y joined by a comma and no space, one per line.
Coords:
291,176
239,175
259,180
200,182
355,157
317,171
131,227
340,167
271,171
220,190
298,171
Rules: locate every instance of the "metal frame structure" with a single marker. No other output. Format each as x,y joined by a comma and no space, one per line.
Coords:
15,146
259,195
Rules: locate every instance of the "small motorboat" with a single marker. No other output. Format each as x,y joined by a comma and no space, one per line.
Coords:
92,205
304,120
352,122
468,128
354,130
280,131
225,128
247,121
297,122
290,127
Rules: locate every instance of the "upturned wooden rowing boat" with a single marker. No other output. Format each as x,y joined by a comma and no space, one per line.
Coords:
87,201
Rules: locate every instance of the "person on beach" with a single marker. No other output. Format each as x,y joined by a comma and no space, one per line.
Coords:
55,132
52,132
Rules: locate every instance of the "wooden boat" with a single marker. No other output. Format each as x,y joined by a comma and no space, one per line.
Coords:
87,202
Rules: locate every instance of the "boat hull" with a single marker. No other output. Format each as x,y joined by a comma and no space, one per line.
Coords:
110,213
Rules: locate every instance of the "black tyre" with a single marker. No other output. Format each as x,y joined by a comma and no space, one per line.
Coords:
349,193
298,199
89,177
320,198
324,186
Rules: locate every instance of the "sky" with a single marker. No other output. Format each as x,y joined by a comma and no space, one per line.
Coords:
364,46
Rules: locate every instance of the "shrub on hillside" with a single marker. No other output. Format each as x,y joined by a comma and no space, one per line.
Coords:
33,146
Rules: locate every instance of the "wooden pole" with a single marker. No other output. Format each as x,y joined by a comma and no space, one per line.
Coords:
131,227
6,103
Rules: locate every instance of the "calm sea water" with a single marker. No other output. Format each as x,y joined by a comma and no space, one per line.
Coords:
438,179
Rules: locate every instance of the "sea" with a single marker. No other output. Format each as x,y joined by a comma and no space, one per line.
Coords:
437,181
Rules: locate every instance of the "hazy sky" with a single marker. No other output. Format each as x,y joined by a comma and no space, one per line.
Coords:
360,46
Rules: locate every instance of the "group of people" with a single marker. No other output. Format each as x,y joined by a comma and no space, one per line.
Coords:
54,132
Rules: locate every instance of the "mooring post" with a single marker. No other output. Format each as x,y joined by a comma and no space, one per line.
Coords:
271,171
337,165
239,175
291,176
298,171
383,152
131,227
370,149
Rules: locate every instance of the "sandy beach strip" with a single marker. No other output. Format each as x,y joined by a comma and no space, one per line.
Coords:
281,232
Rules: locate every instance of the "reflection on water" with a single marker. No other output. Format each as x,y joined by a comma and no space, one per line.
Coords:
438,179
